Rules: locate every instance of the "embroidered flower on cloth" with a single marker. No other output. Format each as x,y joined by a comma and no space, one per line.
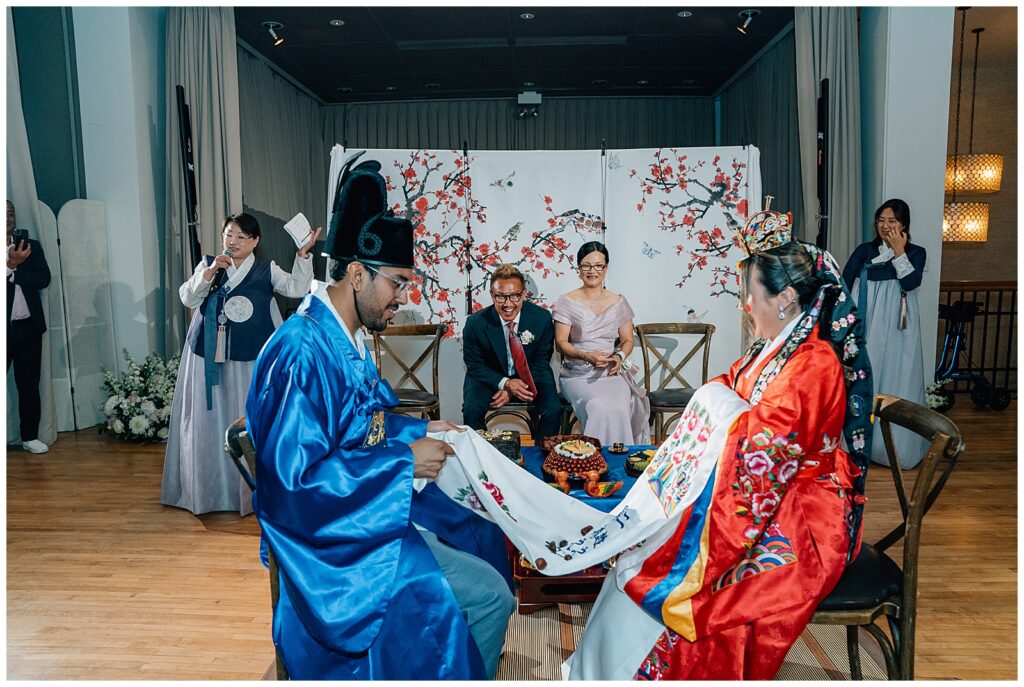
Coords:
526,337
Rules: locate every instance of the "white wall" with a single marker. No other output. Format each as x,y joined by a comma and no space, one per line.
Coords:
119,52
905,55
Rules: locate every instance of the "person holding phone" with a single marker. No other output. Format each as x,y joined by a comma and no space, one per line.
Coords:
27,275
883,275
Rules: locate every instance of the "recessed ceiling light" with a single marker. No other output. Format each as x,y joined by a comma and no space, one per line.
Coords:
343,89
684,14
391,89
528,83
432,84
691,82
642,82
599,82
526,15
337,22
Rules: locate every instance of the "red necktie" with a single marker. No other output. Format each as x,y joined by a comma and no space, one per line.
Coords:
519,358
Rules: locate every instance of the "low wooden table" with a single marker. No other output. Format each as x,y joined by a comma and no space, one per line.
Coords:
537,590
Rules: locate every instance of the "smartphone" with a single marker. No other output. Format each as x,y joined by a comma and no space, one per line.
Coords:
19,235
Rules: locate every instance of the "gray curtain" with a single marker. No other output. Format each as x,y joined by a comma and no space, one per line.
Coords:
201,57
283,148
21,190
760,109
563,124
826,48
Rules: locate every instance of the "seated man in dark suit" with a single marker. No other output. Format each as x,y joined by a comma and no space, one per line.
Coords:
27,275
507,350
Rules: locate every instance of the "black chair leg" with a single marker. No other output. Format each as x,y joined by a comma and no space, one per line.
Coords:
891,666
897,643
853,650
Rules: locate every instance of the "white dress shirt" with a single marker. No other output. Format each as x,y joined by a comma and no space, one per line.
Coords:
19,309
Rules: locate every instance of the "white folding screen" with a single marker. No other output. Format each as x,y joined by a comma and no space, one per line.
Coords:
666,215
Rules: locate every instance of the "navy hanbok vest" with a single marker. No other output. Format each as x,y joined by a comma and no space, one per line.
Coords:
245,339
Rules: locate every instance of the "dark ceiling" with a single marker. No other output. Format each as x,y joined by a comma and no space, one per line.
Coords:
409,53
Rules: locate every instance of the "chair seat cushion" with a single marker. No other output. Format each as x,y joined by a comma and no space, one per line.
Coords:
415,397
872,578
676,398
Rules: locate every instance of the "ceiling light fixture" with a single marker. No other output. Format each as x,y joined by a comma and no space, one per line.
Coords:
599,82
337,22
642,82
691,83
528,83
967,222
391,89
748,16
272,27
527,15
432,84
684,14
973,172
343,89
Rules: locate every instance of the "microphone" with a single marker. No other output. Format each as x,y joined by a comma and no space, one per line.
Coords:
218,276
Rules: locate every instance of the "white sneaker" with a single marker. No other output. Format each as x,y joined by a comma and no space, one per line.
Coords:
35,446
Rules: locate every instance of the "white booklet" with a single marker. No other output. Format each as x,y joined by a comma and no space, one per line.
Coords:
300,231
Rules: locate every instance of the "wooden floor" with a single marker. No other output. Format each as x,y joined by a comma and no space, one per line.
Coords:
105,583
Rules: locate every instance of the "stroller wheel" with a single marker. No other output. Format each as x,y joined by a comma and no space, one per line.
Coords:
981,394
1000,399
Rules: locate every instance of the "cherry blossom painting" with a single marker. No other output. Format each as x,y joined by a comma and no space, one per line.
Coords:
667,216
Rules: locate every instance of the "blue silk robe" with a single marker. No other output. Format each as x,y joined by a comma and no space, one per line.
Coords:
361,595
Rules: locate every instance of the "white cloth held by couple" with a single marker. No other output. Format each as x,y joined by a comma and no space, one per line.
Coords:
559,534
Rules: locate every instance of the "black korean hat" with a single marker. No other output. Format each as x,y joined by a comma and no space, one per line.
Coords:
362,228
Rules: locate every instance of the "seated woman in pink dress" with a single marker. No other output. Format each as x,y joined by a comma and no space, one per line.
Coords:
588,323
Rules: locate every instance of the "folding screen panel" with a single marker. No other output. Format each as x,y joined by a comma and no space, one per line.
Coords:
666,215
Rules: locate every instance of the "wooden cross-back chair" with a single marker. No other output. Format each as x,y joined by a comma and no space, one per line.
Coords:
417,398
667,389
242,453
874,585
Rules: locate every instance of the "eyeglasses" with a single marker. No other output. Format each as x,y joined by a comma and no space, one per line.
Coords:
401,285
235,237
585,267
507,297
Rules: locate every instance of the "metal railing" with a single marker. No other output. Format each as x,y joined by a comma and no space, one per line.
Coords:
990,340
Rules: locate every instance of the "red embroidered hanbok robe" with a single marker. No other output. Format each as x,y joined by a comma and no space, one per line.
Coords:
741,577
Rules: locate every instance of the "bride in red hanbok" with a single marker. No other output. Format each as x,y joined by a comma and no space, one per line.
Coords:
728,590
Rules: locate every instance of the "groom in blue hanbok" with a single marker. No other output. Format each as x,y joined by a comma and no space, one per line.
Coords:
369,586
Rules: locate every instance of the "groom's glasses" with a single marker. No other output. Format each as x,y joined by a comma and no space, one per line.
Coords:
401,285
507,298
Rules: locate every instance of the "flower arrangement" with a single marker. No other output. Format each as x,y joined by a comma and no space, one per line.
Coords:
936,399
139,406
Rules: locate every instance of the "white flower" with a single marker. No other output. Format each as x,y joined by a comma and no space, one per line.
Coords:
111,403
116,426
526,337
138,424
162,433
148,408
